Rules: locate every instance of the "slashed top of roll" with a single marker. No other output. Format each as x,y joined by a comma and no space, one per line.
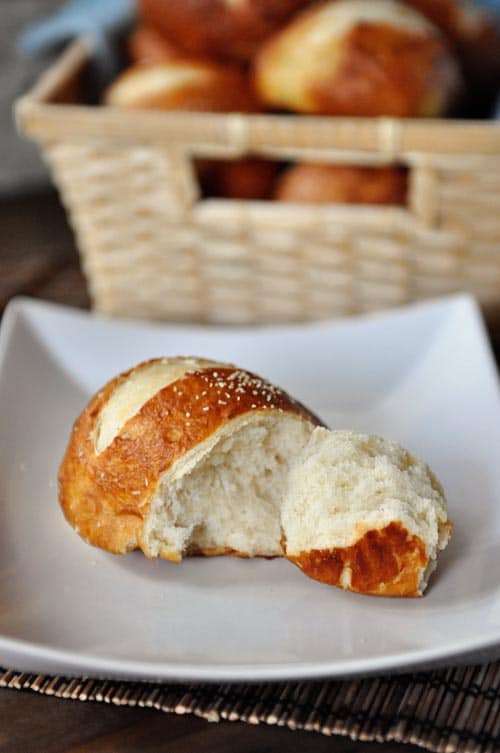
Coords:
135,391
335,19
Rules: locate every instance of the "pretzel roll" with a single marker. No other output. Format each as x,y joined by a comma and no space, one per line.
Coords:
182,85
182,456
249,179
364,514
341,184
475,36
221,29
146,45
358,57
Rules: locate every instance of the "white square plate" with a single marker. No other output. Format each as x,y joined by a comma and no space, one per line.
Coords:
423,375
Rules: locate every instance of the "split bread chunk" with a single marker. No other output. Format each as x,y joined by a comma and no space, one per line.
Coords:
364,514
183,456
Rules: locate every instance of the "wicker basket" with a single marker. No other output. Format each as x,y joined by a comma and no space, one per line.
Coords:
150,247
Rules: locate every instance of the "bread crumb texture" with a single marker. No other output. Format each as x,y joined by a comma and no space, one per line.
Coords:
363,513
181,456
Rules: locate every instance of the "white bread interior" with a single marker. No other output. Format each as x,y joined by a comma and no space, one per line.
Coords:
344,484
226,493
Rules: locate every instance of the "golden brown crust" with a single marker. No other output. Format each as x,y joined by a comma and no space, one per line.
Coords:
388,71
385,562
334,184
376,69
215,89
218,28
106,496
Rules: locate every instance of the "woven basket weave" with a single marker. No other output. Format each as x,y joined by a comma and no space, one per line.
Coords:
150,247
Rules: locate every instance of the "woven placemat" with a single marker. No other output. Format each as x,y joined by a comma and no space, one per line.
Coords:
455,710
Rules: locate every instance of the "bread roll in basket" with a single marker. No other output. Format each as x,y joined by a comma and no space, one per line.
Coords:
180,84
183,456
358,58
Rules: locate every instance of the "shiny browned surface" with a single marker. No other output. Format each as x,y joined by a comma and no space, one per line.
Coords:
219,28
106,496
385,562
221,90
385,71
333,184
376,69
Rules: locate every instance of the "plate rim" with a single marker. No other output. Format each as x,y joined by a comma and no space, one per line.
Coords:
94,665
20,304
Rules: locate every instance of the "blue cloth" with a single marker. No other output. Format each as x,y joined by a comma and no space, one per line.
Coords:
98,19
74,18
492,5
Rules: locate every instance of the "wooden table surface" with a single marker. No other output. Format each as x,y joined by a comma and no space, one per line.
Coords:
38,258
